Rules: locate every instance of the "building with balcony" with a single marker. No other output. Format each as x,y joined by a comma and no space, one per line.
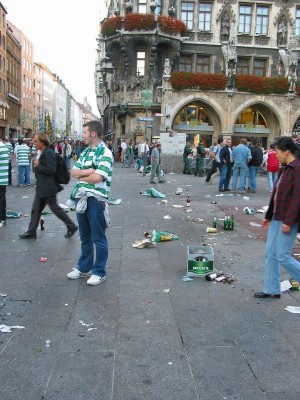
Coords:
204,68
27,78
4,107
13,82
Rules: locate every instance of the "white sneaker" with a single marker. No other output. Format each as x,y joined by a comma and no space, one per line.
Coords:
75,274
1,224
95,280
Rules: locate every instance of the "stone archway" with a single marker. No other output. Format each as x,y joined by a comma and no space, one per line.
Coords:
258,120
198,118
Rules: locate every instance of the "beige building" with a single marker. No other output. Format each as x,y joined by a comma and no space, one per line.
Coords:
233,71
3,87
27,78
13,82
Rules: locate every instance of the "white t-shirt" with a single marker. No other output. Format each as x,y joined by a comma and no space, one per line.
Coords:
124,146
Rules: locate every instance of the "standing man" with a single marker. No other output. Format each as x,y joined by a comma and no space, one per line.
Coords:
199,170
155,165
124,149
23,160
11,154
226,162
66,153
241,156
186,161
145,155
4,172
254,164
94,172
215,161
46,189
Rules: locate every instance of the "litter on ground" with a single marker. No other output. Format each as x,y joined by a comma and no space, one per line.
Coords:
140,244
7,329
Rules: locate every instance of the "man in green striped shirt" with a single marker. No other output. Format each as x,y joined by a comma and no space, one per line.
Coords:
94,172
23,160
4,169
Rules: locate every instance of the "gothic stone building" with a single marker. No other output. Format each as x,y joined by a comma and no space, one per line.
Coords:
243,53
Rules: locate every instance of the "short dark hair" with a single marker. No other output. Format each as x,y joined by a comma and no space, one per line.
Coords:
220,140
286,143
95,126
254,142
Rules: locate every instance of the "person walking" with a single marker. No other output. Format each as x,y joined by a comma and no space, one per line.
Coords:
23,160
215,161
282,220
93,171
226,162
155,165
199,170
272,165
46,189
145,155
241,156
4,179
67,153
186,161
254,164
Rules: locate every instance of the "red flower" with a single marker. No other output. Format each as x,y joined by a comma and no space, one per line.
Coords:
190,80
139,22
110,26
171,25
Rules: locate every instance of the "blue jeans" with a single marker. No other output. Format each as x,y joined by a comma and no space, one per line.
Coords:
239,170
67,161
225,175
272,178
252,177
278,252
92,232
24,170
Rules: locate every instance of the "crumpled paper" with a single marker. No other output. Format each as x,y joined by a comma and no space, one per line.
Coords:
7,329
140,244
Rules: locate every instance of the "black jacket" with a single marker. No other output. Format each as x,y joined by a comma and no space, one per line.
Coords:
44,173
257,156
225,155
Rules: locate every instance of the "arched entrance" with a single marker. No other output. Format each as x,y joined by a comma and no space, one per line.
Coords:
296,128
256,121
197,120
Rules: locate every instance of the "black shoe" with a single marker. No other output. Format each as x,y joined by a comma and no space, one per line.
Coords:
161,181
153,182
221,190
71,232
27,235
227,190
263,295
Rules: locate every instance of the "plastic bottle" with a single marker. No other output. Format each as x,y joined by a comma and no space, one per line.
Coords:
188,202
42,223
213,276
214,224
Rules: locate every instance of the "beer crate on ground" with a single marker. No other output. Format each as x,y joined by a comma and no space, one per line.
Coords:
200,260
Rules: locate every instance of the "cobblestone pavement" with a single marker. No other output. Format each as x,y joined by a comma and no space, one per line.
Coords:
195,340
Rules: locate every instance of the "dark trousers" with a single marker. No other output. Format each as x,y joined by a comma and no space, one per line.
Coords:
36,212
9,172
213,170
2,203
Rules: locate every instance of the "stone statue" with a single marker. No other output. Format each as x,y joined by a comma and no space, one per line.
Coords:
225,28
231,74
122,110
167,67
292,77
282,33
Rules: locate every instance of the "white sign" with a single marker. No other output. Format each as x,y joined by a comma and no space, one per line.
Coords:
172,144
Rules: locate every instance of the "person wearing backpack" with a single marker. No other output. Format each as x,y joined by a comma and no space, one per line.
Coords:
46,189
272,163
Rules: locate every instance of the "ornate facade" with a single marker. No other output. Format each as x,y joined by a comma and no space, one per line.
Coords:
141,46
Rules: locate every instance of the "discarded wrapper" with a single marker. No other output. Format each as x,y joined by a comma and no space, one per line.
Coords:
211,230
163,236
43,259
140,244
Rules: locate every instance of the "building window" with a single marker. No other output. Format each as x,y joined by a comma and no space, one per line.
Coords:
187,14
242,67
204,16
245,19
262,20
142,7
298,22
259,67
140,63
203,64
185,63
